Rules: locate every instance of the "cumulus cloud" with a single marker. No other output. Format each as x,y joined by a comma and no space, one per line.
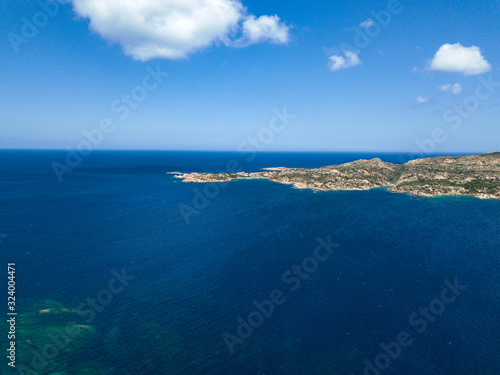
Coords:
460,59
338,62
173,29
455,89
366,24
264,29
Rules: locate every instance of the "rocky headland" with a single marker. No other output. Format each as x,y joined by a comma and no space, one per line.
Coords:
474,175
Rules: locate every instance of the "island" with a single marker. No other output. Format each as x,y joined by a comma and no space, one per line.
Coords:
473,175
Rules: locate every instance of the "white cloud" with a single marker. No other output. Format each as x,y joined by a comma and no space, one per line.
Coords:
173,29
457,58
421,100
455,89
338,62
263,29
446,87
366,24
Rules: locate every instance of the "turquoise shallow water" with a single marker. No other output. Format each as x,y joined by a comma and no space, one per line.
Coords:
193,281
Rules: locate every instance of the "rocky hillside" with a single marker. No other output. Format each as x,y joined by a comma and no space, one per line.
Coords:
358,175
476,175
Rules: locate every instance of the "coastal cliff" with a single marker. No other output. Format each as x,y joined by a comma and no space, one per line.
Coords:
474,175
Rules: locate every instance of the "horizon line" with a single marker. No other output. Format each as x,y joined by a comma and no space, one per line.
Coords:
258,152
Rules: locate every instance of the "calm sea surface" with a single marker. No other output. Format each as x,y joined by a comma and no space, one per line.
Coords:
190,286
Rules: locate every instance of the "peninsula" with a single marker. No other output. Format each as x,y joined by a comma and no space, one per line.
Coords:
474,175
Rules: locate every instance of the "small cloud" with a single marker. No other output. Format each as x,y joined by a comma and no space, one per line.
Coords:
415,70
265,29
420,100
338,62
380,52
445,87
455,89
459,59
366,24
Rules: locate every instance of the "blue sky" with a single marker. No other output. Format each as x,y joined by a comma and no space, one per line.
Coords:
424,74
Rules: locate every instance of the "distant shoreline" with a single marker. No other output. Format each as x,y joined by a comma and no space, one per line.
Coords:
471,175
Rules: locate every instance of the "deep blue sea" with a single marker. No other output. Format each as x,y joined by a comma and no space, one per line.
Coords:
387,278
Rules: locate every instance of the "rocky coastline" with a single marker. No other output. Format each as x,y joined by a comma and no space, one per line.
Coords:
472,175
